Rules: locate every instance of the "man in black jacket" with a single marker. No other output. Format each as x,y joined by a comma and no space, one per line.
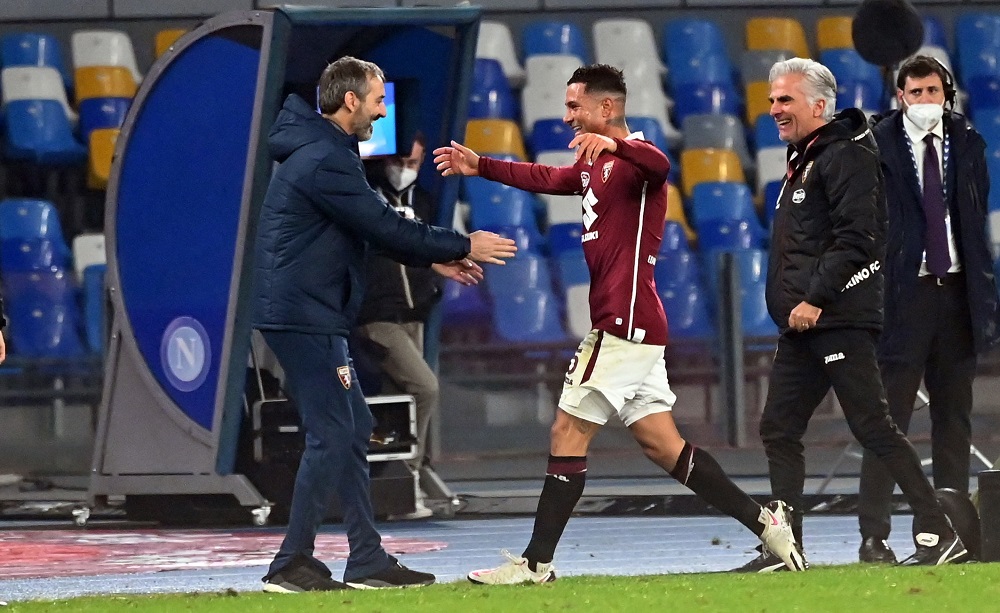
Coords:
316,223
824,291
398,300
941,297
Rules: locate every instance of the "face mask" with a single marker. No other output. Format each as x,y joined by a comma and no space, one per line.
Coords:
925,116
400,178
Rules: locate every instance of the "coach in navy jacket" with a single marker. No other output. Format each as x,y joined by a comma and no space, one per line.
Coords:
318,219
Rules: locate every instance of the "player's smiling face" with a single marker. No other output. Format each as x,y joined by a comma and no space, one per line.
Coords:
583,111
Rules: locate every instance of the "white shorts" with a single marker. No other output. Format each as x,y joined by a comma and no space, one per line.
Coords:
632,377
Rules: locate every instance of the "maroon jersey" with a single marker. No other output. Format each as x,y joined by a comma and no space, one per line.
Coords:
624,205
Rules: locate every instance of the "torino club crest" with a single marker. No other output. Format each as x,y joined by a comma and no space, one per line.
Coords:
344,373
606,171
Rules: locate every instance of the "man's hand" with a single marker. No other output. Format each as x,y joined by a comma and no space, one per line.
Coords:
804,316
489,247
465,271
3,348
456,160
591,145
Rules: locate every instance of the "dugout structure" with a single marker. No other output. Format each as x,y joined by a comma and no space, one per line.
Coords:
190,171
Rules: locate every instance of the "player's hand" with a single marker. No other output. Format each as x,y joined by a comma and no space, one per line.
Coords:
489,247
456,160
590,145
804,316
465,271
3,348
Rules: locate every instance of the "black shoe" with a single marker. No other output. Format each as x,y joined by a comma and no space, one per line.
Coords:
300,575
396,575
877,551
933,550
768,562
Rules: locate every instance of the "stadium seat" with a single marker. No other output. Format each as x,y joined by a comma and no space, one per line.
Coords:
771,192
934,34
687,312
626,42
701,165
728,235
848,66
495,42
675,268
676,214
714,201
984,94
706,99
30,49
88,250
750,265
771,166
464,305
687,38
541,104
164,39
527,238
756,64
564,237
491,97
27,218
572,267
495,136
101,155
104,82
527,315
39,132
53,285
766,133
554,38
860,95
700,70
717,131
834,32
674,237
526,271
988,125
32,255
757,101
578,322
550,135
494,204
43,328
650,103
94,306
756,319
562,209
35,83
98,113
777,33
104,48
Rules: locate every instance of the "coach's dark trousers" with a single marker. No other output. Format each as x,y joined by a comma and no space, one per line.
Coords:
338,425
806,365
936,336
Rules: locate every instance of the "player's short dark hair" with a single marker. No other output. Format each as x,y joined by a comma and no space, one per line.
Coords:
920,66
600,78
348,74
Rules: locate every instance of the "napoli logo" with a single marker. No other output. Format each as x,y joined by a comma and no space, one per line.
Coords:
798,196
185,353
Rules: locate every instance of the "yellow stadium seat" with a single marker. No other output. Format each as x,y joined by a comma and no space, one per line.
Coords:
104,82
675,212
102,151
834,33
495,136
703,165
777,33
165,38
757,95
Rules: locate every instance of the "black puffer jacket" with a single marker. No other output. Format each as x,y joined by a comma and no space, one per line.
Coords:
828,241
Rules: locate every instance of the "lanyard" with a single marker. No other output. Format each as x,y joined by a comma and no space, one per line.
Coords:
946,149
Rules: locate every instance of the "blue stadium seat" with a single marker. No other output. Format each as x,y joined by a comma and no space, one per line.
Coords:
97,113
978,37
94,303
30,218
32,254
848,65
687,313
934,34
54,285
554,38
756,320
526,271
39,132
721,201
984,94
700,70
674,238
44,328
464,305
771,193
766,133
706,98
572,269
495,204
751,266
860,95
653,132
686,38
728,235
988,124
29,49
550,135
528,316
565,237
527,239
675,268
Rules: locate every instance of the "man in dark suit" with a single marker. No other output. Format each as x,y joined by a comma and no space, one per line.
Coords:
941,297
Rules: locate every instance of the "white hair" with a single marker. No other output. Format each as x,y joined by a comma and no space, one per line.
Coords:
818,83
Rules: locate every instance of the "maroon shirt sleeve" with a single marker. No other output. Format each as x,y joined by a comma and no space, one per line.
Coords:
538,178
651,162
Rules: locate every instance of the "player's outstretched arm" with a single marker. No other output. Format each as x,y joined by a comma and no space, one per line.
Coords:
456,160
490,248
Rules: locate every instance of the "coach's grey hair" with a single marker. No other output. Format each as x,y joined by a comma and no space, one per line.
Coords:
818,82
348,74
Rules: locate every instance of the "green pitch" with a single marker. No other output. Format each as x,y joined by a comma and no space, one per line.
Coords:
854,588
